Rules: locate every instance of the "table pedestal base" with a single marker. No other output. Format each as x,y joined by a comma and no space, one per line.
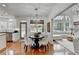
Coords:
35,46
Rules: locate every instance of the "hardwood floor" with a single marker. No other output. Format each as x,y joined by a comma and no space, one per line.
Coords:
18,48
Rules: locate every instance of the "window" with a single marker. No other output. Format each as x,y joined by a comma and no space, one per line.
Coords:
61,24
37,26
66,26
58,26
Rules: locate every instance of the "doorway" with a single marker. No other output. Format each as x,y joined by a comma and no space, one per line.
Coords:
23,29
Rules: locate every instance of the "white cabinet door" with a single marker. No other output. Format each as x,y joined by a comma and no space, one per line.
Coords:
2,41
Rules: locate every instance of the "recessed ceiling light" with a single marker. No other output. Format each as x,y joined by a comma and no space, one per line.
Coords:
3,5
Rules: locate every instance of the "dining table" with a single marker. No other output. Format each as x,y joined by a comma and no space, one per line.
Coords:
36,40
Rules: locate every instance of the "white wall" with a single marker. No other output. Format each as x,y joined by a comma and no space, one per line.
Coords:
50,34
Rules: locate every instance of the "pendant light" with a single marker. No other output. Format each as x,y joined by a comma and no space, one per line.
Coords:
36,21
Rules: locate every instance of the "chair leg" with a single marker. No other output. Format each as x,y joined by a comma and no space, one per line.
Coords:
45,47
25,47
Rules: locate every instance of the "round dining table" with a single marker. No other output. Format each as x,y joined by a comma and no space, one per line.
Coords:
36,41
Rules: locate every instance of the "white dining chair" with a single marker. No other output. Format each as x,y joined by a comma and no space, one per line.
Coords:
27,43
51,42
10,52
44,42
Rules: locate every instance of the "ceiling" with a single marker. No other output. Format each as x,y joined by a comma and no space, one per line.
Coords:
27,9
74,10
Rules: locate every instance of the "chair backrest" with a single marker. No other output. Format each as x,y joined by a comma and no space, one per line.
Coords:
46,36
28,40
25,38
45,39
76,45
10,52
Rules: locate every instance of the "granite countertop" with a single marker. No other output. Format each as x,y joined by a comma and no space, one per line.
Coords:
6,32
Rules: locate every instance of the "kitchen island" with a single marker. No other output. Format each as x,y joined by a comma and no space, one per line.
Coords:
8,36
2,41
